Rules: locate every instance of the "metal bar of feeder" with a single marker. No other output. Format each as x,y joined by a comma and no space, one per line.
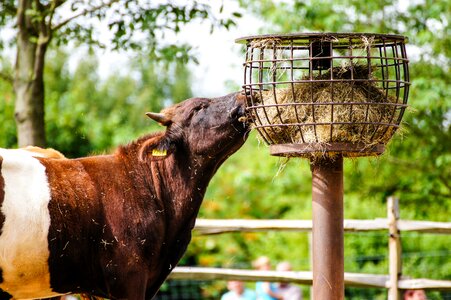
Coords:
346,149
327,246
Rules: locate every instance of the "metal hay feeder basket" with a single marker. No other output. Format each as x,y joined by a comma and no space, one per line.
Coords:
326,93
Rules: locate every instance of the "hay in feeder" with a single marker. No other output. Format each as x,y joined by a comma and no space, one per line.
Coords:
350,108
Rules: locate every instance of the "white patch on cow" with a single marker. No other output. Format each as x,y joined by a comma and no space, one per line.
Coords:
24,248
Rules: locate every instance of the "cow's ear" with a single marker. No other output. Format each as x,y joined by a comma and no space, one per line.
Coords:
156,148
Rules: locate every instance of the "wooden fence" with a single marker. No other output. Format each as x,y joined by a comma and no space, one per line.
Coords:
394,282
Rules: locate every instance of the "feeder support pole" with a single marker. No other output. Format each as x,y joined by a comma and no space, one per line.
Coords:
327,209
394,246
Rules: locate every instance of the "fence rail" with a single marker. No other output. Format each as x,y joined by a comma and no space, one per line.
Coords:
351,279
394,282
211,226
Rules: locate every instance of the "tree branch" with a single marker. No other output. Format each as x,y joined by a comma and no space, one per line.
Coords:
52,9
54,4
82,13
41,26
21,14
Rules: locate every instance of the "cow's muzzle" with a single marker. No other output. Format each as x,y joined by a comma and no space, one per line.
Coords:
239,111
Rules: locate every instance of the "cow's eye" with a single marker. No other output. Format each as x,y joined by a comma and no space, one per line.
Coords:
200,107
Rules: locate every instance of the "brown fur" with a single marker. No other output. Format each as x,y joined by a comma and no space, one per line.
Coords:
2,196
121,222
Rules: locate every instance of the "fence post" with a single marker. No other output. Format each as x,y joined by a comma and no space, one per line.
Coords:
394,246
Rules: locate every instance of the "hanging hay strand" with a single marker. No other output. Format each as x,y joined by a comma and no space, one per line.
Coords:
349,109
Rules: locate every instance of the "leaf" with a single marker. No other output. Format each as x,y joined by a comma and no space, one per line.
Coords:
237,14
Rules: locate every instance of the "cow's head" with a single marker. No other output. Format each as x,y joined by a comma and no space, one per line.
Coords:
210,128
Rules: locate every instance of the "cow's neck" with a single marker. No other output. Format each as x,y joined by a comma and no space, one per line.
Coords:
185,180
178,181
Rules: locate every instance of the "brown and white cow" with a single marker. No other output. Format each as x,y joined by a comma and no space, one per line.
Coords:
114,225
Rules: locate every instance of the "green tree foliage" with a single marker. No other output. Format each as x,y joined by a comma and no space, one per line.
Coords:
7,128
86,114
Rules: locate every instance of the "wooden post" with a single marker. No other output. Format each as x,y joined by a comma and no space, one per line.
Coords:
327,230
394,247
310,248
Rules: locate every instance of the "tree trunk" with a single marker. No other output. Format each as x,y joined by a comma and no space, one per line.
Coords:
29,79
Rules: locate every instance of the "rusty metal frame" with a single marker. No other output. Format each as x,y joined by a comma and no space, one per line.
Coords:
279,63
